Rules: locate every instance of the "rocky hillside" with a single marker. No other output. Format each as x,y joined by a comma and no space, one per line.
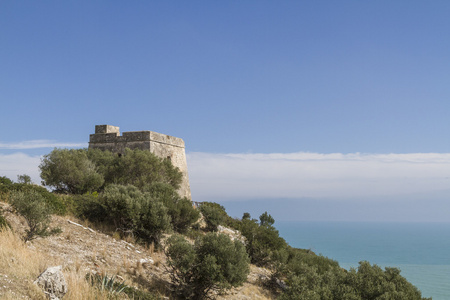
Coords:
80,250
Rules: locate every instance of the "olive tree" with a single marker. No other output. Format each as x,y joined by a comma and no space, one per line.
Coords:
135,212
213,263
70,171
31,205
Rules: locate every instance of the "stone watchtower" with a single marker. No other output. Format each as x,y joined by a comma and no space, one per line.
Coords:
107,137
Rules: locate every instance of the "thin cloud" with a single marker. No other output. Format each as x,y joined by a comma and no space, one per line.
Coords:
36,144
354,176
317,175
15,164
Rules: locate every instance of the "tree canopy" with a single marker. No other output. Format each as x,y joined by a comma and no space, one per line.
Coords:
78,171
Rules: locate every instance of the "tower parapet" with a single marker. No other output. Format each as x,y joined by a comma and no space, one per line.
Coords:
107,137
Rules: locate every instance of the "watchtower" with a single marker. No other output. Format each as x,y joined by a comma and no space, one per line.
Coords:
107,137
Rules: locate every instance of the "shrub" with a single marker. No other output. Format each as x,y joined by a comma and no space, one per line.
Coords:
264,245
309,258
214,263
88,206
77,171
24,179
214,215
5,181
70,171
140,168
106,162
122,205
307,281
135,212
31,205
180,210
54,203
5,186
153,221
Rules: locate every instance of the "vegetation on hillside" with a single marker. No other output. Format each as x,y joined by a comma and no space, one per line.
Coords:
136,195
213,263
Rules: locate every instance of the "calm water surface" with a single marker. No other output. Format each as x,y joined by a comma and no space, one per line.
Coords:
420,250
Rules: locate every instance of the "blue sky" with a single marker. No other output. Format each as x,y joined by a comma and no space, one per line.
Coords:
320,106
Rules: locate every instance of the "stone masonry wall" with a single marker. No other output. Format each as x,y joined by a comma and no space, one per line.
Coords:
108,137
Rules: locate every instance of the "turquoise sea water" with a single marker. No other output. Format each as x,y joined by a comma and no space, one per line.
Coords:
420,250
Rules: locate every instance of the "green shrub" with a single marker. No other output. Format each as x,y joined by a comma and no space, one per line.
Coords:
105,162
300,257
135,212
25,179
78,171
214,215
135,167
152,222
5,187
264,245
214,263
5,181
32,206
180,210
54,203
307,281
70,171
89,206
122,205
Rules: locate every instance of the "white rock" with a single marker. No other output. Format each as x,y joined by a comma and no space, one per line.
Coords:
233,234
145,261
53,283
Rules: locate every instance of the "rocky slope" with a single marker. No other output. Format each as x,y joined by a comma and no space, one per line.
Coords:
80,250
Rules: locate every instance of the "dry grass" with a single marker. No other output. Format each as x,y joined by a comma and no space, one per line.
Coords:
255,292
79,287
22,264
17,259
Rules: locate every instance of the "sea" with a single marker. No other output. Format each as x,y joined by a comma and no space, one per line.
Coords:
420,250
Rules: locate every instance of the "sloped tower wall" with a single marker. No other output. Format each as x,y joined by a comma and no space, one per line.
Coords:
107,137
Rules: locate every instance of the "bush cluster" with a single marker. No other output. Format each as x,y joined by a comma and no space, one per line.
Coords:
32,206
213,263
54,203
214,215
264,245
135,192
367,282
79,171
143,214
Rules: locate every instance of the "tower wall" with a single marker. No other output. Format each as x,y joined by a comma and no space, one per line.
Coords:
108,137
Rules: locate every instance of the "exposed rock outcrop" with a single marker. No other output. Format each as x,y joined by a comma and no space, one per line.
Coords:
233,234
53,283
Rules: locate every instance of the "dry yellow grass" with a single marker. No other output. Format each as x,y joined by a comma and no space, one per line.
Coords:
80,289
17,259
22,265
